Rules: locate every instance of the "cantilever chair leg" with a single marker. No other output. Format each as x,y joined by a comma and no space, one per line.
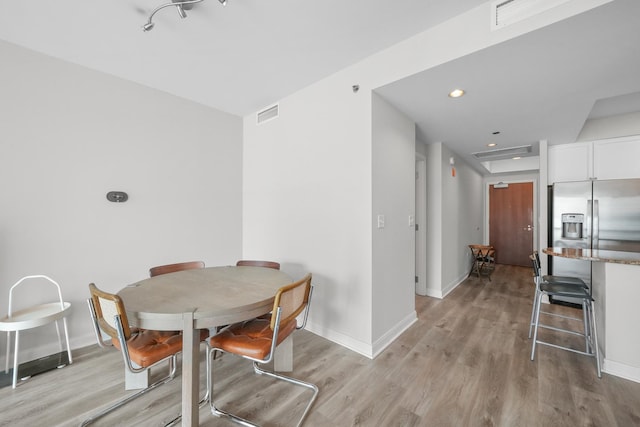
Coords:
313,387
258,370
171,376
153,348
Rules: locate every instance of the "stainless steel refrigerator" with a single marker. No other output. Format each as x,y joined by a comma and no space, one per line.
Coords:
593,215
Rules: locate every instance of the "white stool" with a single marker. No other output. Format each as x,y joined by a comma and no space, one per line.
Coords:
32,317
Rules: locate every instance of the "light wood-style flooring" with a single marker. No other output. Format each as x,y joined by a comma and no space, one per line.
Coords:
464,363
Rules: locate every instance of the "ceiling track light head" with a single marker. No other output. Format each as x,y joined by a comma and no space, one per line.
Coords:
181,13
180,5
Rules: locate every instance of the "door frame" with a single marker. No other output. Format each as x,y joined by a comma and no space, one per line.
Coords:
513,180
421,220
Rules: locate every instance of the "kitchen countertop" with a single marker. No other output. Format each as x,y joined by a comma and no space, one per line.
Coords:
601,255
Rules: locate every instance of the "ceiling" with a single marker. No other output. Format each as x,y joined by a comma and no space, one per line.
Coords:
238,58
251,53
543,85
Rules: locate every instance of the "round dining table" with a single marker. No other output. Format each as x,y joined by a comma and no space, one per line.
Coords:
196,299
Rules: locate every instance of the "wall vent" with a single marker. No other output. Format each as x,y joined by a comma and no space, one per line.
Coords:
267,114
506,12
502,153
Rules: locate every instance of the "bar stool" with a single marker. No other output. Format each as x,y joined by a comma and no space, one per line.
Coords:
589,319
565,280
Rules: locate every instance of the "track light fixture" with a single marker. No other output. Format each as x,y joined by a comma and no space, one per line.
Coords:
180,5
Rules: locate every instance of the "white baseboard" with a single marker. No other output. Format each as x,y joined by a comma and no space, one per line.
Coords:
384,341
341,339
621,370
368,350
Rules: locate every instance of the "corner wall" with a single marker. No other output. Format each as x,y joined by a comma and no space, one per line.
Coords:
394,243
455,206
69,135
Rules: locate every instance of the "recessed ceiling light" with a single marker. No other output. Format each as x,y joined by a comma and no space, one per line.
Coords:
456,93
491,144
516,158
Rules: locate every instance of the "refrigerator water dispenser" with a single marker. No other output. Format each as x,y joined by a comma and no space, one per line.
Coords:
572,225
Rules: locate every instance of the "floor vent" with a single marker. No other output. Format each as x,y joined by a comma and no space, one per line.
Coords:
506,12
267,114
503,153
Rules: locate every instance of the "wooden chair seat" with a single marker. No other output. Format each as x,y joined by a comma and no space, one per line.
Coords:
252,338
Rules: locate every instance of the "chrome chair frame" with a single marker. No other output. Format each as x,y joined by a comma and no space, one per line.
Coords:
589,318
127,360
258,370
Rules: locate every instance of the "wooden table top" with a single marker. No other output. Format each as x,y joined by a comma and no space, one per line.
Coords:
600,255
216,295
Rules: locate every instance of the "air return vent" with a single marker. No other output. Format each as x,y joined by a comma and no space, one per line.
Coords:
268,114
506,12
503,153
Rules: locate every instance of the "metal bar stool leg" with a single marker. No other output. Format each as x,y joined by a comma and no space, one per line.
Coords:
533,309
535,328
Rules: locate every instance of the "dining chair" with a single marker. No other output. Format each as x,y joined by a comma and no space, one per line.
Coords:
141,349
589,331
171,268
256,263
257,339
180,266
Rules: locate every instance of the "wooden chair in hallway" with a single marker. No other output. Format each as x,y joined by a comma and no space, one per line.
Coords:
484,260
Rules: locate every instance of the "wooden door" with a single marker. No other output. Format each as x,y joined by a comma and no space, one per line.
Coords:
511,223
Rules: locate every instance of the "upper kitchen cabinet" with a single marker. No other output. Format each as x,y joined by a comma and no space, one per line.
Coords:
605,159
570,162
617,158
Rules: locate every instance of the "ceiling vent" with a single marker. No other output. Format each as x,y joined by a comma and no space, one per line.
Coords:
506,12
503,153
267,114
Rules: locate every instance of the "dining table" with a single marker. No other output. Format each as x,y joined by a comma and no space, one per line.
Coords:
196,299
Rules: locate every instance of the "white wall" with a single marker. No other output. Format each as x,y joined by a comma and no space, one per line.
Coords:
307,201
69,135
455,212
610,127
394,153
308,179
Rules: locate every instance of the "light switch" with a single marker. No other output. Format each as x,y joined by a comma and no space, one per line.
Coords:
412,220
380,221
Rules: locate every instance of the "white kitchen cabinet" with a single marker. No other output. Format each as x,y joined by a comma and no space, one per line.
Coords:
615,158
570,162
